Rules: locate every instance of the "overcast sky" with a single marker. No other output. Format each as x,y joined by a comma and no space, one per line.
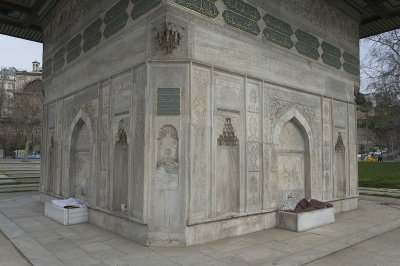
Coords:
19,53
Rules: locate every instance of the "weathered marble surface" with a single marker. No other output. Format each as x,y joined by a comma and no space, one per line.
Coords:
129,122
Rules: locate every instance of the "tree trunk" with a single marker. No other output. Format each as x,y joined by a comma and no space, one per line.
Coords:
27,144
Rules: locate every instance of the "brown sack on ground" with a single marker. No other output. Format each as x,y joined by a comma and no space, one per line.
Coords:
305,206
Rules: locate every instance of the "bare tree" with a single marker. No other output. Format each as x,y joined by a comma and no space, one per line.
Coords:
27,112
382,69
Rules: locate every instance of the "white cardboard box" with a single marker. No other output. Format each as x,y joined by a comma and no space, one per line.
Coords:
66,216
302,221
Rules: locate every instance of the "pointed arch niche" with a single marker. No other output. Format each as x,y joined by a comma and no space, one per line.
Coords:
292,140
80,142
120,170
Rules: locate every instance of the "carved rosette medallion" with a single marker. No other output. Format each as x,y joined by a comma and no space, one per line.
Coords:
168,147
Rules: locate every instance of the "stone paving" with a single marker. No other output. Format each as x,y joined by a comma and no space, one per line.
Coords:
9,255
45,242
381,250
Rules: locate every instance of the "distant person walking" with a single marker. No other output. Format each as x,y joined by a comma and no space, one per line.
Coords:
380,159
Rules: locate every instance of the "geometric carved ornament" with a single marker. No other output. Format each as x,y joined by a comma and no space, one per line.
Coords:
339,147
228,138
122,138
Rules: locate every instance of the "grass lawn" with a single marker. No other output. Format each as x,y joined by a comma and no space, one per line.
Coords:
379,175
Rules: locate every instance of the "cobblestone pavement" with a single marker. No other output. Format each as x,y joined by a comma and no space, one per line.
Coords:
45,242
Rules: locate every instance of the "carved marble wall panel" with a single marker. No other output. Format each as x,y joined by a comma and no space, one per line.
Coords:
326,110
51,116
291,182
253,126
353,165
201,84
253,156
201,182
270,172
122,86
323,16
102,197
200,201
138,140
339,113
227,180
86,101
352,123
228,91
328,185
253,191
339,165
253,97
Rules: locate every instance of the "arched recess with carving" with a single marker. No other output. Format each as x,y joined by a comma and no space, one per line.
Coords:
120,168
293,139
80,159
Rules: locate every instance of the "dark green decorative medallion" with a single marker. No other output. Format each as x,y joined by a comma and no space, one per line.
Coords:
142,7
47,68
92,29
351,64
277,38
306,50
241,23
115,11
59,59
203,7
331,60
92,35
59,54
307,44
330,49
92,41
246,10
307,38
278,32
278,25
331,55
168,101
115,18
115,25
349,68
74,48
351,59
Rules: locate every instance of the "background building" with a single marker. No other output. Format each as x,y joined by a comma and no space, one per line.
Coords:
21,101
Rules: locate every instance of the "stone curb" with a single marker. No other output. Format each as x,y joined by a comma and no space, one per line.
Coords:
30,248
321,251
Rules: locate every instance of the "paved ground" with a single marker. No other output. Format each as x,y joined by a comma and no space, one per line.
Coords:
371,229
380,250
9,255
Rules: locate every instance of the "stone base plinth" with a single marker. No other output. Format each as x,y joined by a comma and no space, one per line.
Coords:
299,222
66,216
